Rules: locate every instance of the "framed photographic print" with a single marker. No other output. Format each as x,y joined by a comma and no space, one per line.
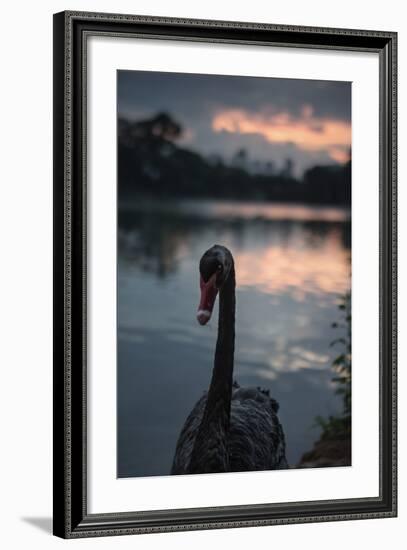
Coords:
224,274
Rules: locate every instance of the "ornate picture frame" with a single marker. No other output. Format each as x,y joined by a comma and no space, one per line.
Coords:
71,511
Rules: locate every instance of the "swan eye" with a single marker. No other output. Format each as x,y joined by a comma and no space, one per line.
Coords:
220,267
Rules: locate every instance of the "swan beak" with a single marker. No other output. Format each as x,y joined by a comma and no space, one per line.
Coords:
203,316
208,297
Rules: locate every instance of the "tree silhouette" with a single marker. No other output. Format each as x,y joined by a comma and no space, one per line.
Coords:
288,168
151,163
162,127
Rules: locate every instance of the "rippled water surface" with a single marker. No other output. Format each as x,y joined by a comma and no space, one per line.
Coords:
292,265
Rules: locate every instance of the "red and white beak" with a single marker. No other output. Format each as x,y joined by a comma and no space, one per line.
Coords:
208,297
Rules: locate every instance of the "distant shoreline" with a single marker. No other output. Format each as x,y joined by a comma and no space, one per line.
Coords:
238,209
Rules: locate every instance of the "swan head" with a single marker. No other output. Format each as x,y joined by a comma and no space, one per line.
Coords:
214,269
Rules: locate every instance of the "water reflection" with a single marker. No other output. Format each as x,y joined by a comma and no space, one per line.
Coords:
274,246
292,263
266,211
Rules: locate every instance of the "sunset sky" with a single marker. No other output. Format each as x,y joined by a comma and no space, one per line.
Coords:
274,119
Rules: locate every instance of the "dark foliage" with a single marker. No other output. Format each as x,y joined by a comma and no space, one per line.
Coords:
334,446
340,426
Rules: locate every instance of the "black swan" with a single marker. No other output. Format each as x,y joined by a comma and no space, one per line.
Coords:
230,429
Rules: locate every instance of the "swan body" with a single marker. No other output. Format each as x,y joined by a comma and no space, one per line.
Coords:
252,411
230,429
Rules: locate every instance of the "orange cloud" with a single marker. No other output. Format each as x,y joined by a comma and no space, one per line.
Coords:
307,132
340,155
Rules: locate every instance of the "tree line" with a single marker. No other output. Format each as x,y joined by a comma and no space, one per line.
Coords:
151,163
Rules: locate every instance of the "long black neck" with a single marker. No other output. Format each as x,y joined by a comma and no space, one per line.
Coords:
210,453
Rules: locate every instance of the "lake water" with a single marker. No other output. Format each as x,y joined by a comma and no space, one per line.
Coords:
292,266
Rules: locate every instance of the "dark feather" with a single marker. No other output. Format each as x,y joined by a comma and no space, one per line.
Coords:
255,440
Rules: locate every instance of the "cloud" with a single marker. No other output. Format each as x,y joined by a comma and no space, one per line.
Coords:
306,131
